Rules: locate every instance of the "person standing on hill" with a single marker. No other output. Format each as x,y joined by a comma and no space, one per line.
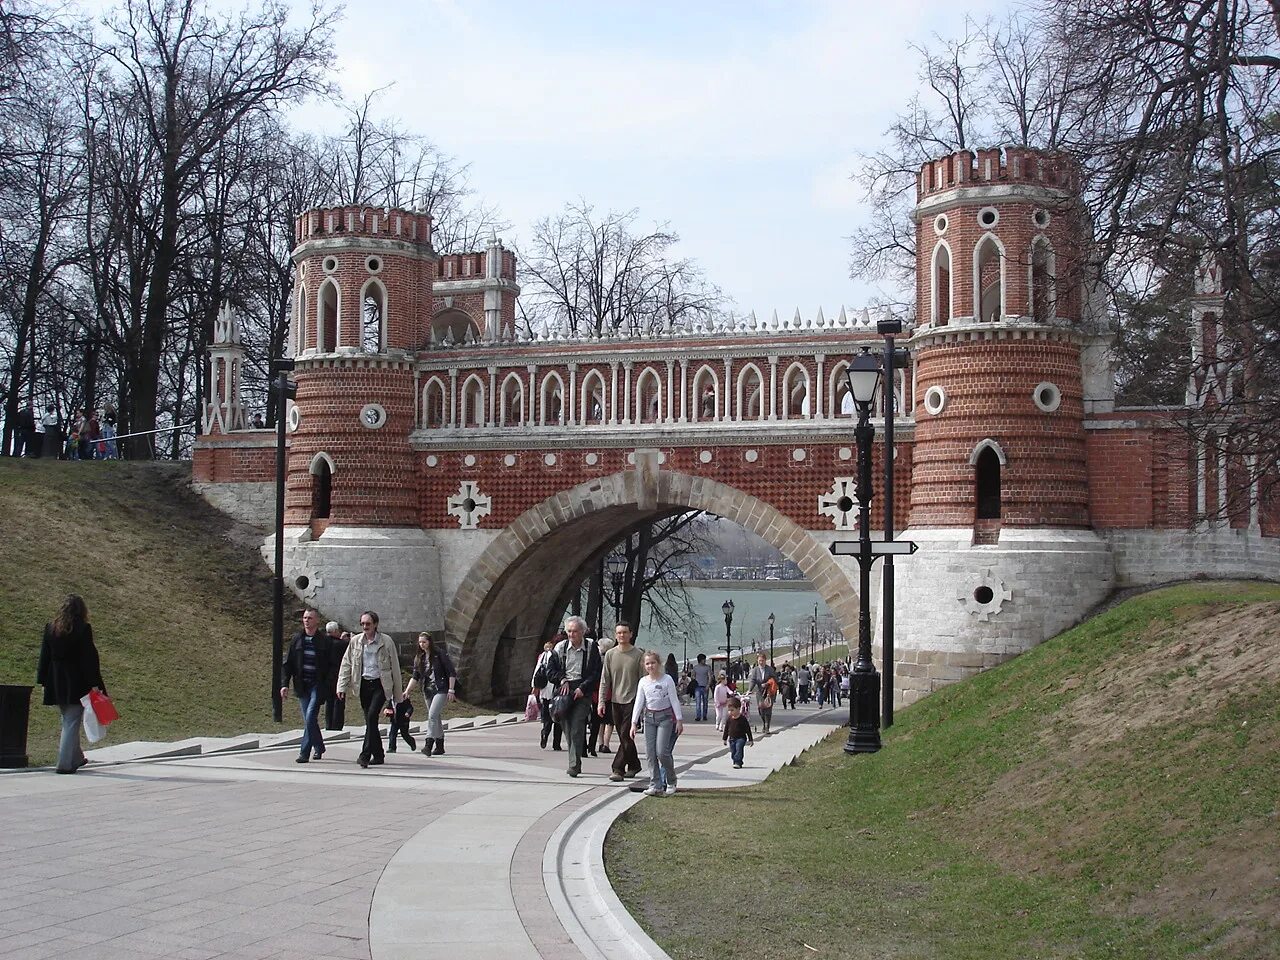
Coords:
24,431
69,668
371,665
52,432
619,681
307,665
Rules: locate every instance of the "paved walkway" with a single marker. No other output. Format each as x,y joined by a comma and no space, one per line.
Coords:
490,851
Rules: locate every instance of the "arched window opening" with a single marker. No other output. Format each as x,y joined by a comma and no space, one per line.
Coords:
989,272
552,400
433,404
321,488
941,284
453,326
473,403
987,482
648,397
1043,283
706,390
795,390
327,318
300,322
373,311
593,399
512,401
750,394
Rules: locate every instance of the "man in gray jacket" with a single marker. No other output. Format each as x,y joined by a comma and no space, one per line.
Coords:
372,666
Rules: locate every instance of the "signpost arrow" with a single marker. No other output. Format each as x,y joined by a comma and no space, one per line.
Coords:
879,548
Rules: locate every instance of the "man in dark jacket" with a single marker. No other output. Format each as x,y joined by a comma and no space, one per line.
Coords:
309,666
580,659
24,433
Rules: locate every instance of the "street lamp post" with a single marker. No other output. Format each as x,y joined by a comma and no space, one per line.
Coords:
727,609
616,565
686,648
864,689
813,637
771,639
285,390
893,360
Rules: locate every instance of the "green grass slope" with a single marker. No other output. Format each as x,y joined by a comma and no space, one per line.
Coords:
1114,793
178,596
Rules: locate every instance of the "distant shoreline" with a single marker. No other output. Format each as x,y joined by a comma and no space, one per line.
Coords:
800,586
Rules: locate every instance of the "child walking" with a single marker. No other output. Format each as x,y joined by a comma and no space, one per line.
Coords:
737,732
721,699
658,702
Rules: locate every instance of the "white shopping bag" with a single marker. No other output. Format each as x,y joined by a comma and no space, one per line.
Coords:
94,730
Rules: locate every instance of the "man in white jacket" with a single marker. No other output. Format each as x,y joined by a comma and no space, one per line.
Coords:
372,666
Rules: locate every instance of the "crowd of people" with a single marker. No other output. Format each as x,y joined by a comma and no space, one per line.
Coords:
89,435
589,693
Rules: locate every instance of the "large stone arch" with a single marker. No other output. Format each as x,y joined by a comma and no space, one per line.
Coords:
507,595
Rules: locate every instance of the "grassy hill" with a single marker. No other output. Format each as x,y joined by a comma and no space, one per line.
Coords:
1113,793
178,596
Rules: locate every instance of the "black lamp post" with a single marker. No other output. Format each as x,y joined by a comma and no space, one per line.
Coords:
285,390
771,639
864,689
686,648
813,637
727,608
616,565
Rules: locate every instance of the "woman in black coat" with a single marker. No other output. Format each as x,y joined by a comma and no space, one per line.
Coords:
68,670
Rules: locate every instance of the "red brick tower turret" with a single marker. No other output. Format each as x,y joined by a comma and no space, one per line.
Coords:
999,424
362,308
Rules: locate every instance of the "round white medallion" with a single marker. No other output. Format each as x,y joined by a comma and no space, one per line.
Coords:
935,398
940,224
631,459
846,453
988,217
469,460
798,454
592,459
509,459
704,456
330,264
373,416
751,456
293,418
373,264
432,460
1040,218
1047,396
549,459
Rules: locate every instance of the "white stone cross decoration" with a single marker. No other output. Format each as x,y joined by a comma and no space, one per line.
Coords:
469,505
840,503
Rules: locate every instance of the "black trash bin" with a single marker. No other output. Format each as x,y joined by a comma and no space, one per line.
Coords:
15,711
334,711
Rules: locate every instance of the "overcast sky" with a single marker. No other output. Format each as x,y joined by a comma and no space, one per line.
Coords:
735,122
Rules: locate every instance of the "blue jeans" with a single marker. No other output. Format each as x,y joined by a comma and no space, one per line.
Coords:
700,703
69,752
659,738
312,738
738,749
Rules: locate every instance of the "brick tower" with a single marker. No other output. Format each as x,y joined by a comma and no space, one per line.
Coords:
362,308
999,487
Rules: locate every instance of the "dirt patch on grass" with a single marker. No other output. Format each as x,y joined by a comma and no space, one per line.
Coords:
1212,659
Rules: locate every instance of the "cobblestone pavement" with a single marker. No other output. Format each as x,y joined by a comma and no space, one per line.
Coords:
250,855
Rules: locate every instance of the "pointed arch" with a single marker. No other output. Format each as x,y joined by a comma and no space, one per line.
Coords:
511,407
989,287
373,316
473,402
433,395
321,470
987,444
839,397
591,410
300,321
795,392
1042,280
328,306
453,325
987,460
750,393
941,284
551,400
648,396
706,396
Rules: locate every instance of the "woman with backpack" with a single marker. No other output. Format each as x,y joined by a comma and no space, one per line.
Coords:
543,686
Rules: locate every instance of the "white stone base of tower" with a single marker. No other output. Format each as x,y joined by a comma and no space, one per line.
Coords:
1147,557
394,571
961,608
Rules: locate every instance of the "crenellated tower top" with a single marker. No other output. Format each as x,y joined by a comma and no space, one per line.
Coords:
1012,165
386,223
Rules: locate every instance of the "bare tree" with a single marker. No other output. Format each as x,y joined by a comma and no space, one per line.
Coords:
588,274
